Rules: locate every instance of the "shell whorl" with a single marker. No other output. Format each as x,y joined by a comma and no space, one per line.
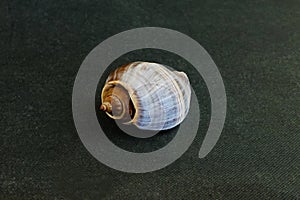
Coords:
150,96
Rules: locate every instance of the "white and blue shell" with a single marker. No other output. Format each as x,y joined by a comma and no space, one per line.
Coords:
161,97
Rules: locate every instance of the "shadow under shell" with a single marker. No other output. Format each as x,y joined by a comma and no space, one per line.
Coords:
131,138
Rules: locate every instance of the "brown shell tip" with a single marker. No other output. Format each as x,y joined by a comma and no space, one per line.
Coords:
103,107
106,106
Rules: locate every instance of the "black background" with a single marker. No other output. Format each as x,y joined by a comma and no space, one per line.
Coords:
255,45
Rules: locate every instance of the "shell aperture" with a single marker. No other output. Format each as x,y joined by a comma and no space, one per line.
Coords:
148,95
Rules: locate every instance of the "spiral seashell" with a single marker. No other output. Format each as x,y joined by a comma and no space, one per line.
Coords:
148,95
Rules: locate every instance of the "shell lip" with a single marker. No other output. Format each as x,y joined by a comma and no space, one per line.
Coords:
131,95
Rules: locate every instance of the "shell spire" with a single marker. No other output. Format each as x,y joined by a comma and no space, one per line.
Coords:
117,103
106,106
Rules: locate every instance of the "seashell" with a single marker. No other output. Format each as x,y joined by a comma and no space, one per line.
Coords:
148,95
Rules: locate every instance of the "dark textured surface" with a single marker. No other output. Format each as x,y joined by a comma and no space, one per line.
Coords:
256,47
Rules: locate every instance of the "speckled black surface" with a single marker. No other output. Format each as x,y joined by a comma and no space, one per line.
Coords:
256,47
